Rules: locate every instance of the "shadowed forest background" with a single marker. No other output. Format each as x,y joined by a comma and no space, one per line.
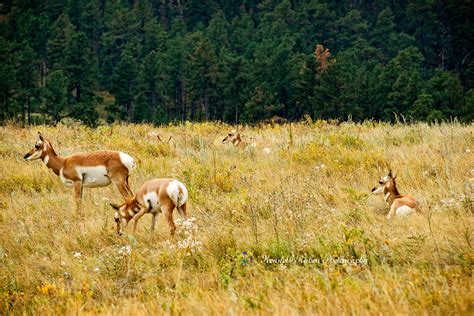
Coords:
165,61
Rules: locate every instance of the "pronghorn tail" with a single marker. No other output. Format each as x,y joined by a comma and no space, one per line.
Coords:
177,193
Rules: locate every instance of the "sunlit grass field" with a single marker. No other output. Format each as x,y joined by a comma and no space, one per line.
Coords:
305,203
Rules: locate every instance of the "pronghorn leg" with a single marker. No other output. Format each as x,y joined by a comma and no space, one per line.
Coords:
127,186
182,211
136,218
122,186
168,212
153,221
78,194
391,213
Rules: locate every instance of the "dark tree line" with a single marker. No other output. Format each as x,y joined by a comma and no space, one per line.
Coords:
235,61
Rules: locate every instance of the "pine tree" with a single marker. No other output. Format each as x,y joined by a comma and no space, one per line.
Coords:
62,31
151,91
55,96
125,84
80,69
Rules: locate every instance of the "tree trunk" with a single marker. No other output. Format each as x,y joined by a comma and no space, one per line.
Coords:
28,110
206,104
153,105
236,113
78,92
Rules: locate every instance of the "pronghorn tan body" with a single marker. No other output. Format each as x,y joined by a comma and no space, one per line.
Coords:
399,204
93,169
154,196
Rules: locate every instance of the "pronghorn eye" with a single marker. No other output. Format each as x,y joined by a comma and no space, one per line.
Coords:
230,134
37,146
381,182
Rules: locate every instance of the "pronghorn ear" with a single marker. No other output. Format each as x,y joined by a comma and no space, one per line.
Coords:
390,173
395,176
114,206
40,136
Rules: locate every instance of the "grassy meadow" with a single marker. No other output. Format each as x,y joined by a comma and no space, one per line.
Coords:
305,202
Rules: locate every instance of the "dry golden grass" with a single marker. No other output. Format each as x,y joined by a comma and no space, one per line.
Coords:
308,199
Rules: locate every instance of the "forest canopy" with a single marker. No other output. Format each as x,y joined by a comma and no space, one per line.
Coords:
239,62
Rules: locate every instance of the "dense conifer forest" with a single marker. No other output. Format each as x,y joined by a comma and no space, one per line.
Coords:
239,62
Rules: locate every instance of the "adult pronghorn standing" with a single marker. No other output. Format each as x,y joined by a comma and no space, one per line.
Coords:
93,169
399,204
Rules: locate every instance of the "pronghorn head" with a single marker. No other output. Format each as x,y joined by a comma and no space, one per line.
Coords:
39,150
124,213
385,183
233,137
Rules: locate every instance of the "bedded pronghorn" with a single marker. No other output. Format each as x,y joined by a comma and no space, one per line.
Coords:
154,196
235,138
399,204
93,169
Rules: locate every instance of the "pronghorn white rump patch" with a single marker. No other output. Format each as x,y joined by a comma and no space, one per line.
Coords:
127,161
177,191
151,199
46,160
403,210
93,176
67,182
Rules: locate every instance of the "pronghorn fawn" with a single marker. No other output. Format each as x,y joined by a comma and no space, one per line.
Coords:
93,169
154,196
399,204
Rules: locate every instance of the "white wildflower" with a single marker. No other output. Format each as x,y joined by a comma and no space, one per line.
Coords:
77,254
187,229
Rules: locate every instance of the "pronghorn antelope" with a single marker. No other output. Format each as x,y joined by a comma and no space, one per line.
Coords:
236,139
154,196
399,204
93,169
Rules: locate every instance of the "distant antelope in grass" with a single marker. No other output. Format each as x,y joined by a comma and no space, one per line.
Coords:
235,139
154,196
93,169
399,204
